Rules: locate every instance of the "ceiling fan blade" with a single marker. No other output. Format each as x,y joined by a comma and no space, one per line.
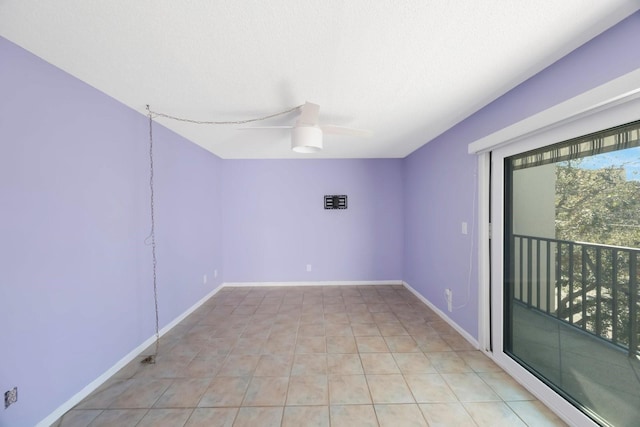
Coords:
341,130
308,115
265,127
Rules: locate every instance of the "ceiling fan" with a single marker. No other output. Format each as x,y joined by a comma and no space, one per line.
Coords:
306,134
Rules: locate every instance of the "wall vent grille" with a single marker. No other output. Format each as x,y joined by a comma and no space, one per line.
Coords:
335,202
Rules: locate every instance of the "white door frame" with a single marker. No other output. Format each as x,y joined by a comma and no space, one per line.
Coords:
614,103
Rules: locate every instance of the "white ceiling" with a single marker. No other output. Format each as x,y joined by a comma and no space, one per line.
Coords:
407,70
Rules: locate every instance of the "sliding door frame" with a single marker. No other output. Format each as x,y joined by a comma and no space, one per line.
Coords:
613,104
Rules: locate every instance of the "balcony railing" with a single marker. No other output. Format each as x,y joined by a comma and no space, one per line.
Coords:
589,286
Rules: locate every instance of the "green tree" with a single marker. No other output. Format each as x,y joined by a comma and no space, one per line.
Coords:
597,206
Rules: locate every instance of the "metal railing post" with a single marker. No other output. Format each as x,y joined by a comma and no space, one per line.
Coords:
583,291
558,278
633,297
598,291
520,272
548,276
529,273
571,283
538,303
614,295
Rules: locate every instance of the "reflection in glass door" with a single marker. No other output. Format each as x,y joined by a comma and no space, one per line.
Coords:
572,249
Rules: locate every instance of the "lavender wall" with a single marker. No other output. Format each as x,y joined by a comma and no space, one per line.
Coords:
440,177
75,279
275,223
439,192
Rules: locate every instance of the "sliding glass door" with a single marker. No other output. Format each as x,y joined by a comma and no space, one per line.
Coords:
571,245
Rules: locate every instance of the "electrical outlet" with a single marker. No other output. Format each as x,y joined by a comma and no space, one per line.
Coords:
449,296
204,279
215,273
308,267
10,397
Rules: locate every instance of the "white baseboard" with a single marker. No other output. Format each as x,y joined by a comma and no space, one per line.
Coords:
454,325
92,386
332,283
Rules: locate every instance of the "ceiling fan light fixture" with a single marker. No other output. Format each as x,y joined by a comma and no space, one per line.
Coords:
306,139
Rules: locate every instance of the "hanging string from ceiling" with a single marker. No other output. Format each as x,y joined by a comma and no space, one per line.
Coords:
154,114
151,238
152,241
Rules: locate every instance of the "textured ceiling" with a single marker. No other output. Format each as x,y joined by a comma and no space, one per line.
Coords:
407,70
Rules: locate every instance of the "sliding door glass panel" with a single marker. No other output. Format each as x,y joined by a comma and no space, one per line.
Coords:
572,255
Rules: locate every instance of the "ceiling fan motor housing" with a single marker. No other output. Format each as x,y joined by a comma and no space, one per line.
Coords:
306,139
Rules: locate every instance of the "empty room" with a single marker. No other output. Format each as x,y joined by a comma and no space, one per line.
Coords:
320,213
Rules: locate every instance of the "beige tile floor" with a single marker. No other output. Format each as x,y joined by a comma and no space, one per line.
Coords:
312,356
